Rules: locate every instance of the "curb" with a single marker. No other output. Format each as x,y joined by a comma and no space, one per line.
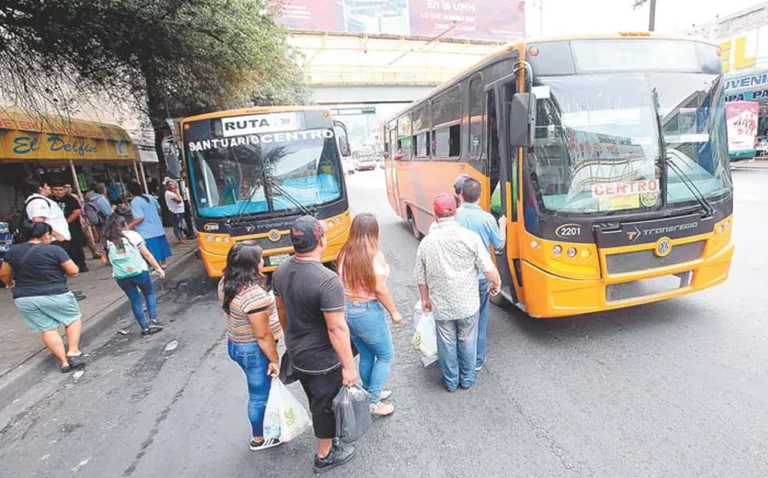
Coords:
35,367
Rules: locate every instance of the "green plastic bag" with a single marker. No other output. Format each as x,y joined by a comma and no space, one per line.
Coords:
496,200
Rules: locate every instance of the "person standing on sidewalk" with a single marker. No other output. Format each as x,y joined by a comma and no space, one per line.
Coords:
447,263
99,206
40,208
72,212
253,330
146,221
175,204
310,304
37,273
472,216
364,271
127,252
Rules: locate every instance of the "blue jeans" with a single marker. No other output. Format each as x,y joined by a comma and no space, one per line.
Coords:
457,351
482,324
178,224
373,339
254,363
134,287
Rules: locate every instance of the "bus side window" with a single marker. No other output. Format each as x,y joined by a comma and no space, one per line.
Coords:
492,147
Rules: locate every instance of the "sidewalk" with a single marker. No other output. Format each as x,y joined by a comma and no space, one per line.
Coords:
20,347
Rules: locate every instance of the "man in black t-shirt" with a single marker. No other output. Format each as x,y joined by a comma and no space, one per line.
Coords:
72,210
310,303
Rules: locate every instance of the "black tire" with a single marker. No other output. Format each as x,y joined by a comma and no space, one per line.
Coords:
414,228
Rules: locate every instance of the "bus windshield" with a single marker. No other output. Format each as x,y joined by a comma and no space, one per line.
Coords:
597,146
265,173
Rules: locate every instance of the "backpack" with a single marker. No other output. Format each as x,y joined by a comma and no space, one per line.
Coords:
16,221
95,216
126,261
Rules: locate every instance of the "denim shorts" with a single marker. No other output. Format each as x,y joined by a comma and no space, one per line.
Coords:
47,312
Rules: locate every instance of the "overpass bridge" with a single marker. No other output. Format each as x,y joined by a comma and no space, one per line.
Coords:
345,68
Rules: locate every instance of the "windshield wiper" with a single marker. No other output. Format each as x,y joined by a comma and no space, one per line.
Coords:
664,176
271,182
705,204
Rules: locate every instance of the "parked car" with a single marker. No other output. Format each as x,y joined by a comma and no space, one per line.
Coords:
365,163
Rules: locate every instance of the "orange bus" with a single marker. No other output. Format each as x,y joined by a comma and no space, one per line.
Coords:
253,171
614,197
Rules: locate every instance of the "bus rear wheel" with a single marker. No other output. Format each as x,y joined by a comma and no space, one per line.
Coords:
414,228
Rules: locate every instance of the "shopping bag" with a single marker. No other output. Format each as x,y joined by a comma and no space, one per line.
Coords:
284,418
425,338
353,413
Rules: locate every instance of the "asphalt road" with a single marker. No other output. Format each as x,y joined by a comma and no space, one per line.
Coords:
676,389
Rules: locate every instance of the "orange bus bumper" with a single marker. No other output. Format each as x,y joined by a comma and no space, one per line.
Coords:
552,296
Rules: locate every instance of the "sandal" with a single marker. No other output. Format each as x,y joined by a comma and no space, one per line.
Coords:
382,409
72,365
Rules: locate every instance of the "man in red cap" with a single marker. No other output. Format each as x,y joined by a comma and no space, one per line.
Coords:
447,265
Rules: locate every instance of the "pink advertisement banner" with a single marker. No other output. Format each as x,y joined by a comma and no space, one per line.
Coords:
496,20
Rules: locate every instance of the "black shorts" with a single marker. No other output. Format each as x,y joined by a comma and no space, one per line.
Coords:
321,390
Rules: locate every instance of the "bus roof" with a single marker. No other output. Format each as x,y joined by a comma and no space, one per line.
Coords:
254,110
492,57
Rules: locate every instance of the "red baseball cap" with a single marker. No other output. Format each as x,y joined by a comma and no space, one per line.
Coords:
444,205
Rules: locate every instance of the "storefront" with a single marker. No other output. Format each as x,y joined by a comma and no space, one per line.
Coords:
59,148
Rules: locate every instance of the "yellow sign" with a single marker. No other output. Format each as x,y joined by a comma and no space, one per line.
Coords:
30,146
617,203
734,54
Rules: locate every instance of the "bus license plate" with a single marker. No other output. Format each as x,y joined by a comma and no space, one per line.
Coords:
278,259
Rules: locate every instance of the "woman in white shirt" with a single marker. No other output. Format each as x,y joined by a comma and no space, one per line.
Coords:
127,252
364,272
176,207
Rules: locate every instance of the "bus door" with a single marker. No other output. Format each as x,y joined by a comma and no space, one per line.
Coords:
391,171
503,158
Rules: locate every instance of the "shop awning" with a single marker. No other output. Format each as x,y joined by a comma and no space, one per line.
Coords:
26,137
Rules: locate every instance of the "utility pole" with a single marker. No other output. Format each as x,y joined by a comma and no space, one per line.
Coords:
652,13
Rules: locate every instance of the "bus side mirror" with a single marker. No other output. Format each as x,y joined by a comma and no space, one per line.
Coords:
522,120
343,136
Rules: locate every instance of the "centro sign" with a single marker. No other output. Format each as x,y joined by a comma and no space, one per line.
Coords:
254,124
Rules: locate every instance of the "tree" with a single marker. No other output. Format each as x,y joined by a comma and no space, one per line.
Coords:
651,14
173,57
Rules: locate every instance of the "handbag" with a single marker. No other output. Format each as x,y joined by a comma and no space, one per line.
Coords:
287,372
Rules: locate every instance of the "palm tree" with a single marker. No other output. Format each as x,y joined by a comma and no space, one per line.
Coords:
652,16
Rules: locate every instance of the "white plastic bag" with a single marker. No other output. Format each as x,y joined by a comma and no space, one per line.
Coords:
425,338
284,418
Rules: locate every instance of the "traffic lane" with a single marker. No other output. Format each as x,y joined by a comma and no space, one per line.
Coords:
664,387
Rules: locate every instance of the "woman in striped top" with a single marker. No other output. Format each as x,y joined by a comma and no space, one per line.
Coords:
253,329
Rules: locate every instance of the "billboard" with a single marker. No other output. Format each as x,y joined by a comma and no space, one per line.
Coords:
498,20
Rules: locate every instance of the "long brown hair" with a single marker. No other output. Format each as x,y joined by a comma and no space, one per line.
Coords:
357,256
242,270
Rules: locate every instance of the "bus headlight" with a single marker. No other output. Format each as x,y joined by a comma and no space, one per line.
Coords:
557,250
721,229
534,244
208,238
218,239
572,252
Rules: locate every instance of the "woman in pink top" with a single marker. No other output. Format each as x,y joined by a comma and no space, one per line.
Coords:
364,272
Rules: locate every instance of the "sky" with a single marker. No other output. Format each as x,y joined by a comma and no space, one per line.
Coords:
563,17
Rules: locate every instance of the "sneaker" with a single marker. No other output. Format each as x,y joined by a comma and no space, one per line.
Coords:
264,444
150,330
156,324
480,366
339,455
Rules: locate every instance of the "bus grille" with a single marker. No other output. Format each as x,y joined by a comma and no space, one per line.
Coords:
266,244
647,287
644,260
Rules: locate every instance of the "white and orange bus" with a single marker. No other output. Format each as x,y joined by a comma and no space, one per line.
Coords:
612,199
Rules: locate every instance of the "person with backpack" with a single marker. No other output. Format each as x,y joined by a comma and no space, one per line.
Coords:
126,251
98,209
146,221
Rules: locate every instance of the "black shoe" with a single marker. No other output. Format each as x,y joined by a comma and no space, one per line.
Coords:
339,455
156,324
73,365
152,329
265,443
84,269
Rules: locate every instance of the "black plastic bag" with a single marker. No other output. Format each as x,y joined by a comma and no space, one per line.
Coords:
353,413
287,372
